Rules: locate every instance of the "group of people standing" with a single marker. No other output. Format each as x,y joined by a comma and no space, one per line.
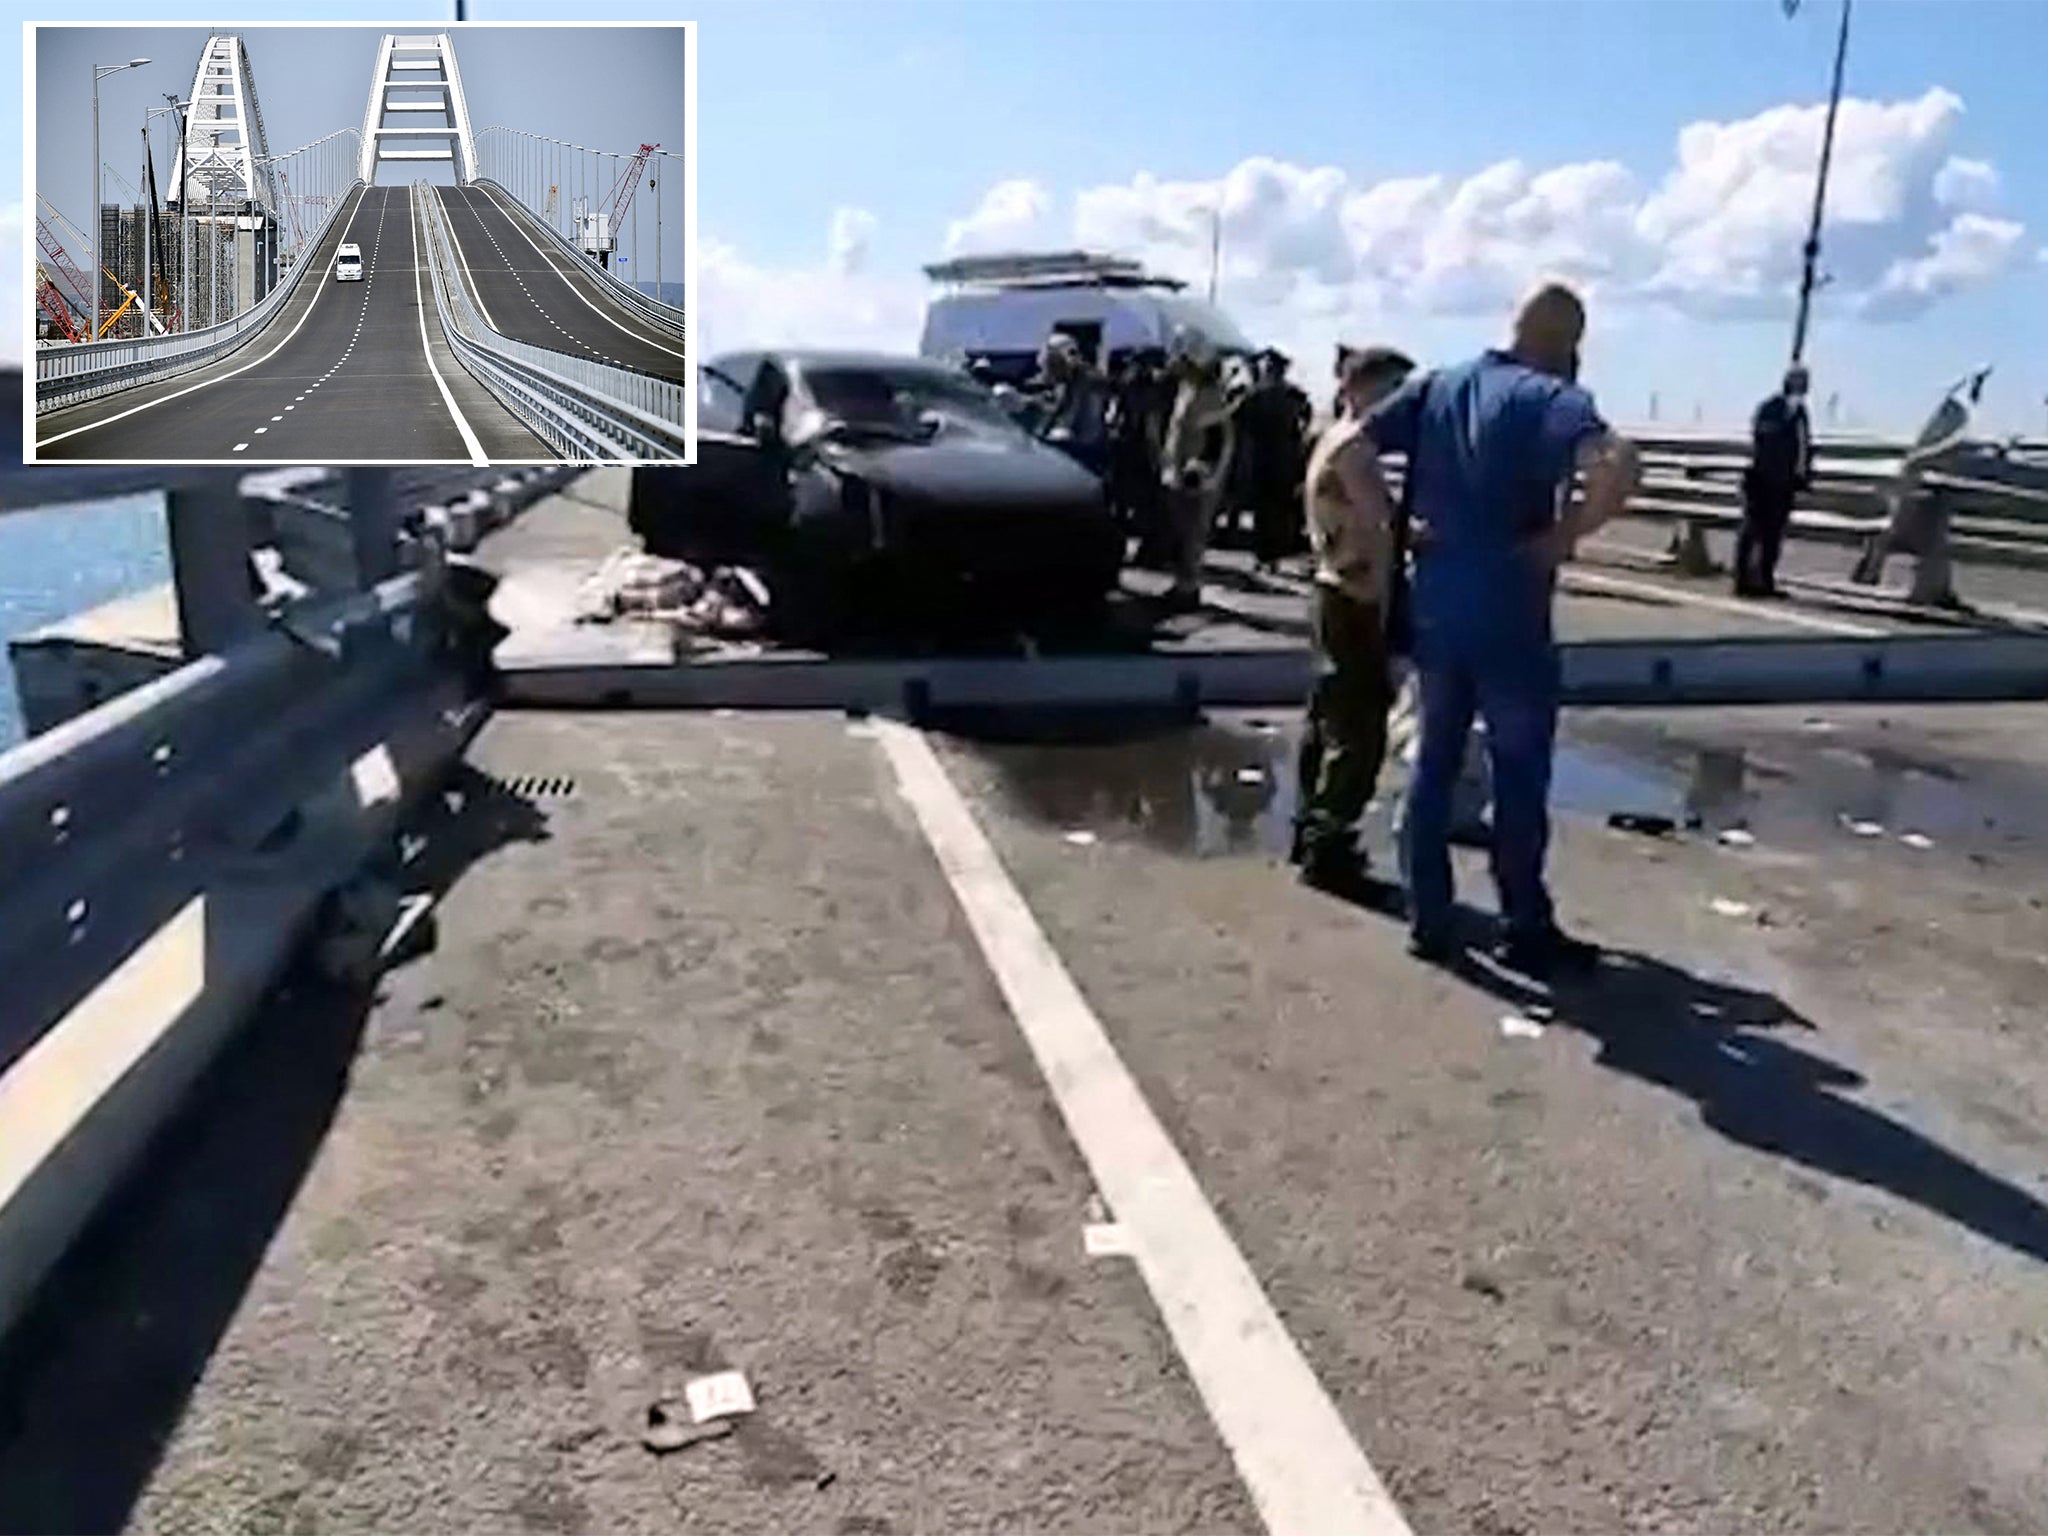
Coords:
1185,442
1454,579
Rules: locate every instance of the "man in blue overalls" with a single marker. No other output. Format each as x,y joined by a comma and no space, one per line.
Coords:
1491,443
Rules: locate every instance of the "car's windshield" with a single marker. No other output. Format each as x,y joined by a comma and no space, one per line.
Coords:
908,400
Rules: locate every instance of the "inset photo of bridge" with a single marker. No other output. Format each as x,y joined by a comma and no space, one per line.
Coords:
301,244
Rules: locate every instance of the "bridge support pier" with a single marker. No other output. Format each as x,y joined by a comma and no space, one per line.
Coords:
216,582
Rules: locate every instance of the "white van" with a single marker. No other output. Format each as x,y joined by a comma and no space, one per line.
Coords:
348,264
1002,309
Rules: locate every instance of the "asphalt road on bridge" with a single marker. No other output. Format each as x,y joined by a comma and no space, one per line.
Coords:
346,371
815,1047
532,291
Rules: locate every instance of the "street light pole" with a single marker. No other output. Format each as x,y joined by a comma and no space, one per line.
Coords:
99,73
1808,279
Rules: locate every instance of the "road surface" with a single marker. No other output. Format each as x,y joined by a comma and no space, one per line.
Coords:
346,371
765,1042
532,291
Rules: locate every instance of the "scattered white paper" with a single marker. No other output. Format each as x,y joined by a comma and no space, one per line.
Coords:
1515,1026
1081,837
1727,908
1738,837
1916,839
723,1395
1863,828
1106,1240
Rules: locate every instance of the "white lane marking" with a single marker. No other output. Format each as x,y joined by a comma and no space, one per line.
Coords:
476,449
607,319
1598,581
204,383
1303,1470
240,446
467,276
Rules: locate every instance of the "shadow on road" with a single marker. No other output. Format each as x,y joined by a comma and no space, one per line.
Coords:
96,1377
1719,1046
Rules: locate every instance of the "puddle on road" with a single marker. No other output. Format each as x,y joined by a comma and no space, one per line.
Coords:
1226,787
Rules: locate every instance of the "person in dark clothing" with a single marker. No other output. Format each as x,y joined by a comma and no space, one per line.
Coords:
1077,411
1141,408
1780,466
1134,447
1274,420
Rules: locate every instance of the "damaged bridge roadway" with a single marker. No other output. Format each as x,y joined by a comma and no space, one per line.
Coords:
1050,1162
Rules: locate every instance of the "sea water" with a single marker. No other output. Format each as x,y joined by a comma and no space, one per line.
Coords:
64,560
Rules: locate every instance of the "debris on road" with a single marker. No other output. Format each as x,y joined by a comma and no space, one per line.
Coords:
1517,1026
1251,775
1643,823
1916,839
721,1395
669,1431
1863,828
1479,1283
1727,908
1737,837
728,601
1081,837
631,581
1106,1240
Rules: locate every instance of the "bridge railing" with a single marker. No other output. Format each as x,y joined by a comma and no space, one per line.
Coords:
67,373
668,316
582,409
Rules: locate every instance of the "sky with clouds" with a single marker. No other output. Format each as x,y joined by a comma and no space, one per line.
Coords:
1392,171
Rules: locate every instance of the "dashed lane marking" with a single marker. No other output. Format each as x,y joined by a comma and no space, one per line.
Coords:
580,298
1305,1473
108,421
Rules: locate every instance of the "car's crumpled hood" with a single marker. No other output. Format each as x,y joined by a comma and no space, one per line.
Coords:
965,470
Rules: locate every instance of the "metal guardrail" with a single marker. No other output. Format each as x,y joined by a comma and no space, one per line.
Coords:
112,820
665,315
67,373
583,409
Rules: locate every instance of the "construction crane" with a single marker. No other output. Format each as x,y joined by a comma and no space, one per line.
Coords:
50,299
620,197
291,210
48,241
59,260
159,251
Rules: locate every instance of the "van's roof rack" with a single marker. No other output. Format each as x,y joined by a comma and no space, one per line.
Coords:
1048,269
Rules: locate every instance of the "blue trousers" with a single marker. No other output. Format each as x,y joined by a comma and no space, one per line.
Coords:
1512,683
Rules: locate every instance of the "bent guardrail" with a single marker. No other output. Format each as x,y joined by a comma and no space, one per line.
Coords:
667,316
67,373
580,408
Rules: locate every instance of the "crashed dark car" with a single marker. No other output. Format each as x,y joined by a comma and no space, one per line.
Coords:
869,487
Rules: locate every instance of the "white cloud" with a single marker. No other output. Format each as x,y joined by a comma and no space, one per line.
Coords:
1966,184
832,304
1971,249
11,237
847,245
1011,214
1310,250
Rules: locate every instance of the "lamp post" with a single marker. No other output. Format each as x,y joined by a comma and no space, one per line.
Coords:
149,211
1808,280
99,73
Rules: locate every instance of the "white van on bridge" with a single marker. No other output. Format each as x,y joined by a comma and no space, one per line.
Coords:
1001,309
